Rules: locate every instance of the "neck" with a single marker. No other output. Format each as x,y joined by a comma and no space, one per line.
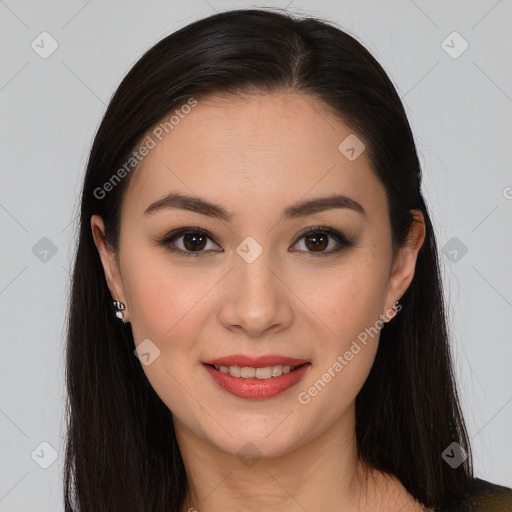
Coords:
324,474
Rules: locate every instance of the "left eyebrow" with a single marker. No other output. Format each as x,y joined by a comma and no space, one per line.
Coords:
312,206
299,209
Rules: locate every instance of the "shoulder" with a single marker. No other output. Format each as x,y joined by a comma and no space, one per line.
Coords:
484,496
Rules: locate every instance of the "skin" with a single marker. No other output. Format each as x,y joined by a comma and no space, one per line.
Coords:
255,155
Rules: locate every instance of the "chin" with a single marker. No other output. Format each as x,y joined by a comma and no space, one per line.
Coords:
254,439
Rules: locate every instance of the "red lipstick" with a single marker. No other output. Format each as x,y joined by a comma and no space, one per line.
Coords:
254,388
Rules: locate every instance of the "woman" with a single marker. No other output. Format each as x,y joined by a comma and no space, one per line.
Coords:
252,210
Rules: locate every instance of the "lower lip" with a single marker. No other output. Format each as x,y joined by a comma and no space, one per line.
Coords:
257,389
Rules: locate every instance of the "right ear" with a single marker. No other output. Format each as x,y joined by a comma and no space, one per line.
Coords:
108,260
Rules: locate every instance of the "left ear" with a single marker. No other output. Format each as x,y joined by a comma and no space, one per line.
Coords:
404,263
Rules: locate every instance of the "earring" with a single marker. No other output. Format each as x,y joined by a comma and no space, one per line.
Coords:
119,306
395,311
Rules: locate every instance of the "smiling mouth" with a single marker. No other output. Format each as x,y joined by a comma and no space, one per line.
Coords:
260,373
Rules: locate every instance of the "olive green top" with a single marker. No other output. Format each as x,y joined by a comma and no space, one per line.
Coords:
484,496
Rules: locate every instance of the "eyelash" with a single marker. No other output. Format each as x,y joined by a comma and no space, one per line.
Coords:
343,242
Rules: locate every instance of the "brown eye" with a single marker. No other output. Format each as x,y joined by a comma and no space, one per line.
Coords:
194,242
188,242
317,240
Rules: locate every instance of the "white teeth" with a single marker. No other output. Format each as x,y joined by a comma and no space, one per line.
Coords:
264,373
246,372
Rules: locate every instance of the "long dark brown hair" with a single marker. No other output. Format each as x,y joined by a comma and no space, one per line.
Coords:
121,451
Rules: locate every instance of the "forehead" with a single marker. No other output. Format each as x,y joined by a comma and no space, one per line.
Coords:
265,149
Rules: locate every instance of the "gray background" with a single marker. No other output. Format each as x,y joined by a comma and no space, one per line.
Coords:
460,110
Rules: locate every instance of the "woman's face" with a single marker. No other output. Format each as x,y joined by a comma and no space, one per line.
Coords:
257,286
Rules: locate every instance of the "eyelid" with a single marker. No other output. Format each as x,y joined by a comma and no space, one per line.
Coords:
343,241
178,233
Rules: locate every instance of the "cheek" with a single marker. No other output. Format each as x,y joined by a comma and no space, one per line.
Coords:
349,303
167,305
343,362
331,392
162,305
163,298
346,299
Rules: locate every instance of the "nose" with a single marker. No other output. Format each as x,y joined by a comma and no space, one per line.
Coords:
256,299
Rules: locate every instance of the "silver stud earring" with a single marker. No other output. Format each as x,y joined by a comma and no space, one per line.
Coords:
395,312
119,306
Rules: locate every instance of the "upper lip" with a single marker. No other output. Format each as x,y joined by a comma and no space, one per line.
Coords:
256,362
